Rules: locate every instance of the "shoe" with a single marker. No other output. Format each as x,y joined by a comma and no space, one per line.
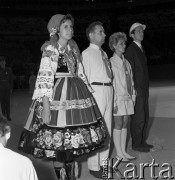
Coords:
122,159
61,173
141,149
119,145
97,174
131,157
147,145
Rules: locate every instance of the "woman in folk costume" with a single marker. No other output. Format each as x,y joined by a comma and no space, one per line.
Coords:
124,94
66,122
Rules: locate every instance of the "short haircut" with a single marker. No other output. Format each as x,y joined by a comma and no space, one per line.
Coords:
92,27
4,127
114,38
55,37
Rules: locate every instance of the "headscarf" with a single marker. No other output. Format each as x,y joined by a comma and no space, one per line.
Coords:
54,23
53,27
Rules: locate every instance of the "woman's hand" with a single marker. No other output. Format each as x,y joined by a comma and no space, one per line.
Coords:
46,116
134,99
46,110
90,88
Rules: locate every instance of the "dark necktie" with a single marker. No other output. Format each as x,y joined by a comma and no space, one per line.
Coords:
128,78
107,64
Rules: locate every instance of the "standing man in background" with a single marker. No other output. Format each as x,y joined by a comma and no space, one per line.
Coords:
137,58
98,71
6,86
32,81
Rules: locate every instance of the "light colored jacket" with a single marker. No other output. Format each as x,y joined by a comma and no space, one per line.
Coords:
119,80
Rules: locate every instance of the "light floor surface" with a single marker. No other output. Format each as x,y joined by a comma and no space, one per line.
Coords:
162,134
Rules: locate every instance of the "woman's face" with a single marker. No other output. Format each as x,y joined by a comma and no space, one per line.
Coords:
120,46
66,30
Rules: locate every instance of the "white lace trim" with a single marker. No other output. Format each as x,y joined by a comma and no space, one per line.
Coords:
72,104
40,93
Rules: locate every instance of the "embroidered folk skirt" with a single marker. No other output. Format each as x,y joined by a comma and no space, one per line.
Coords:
75,128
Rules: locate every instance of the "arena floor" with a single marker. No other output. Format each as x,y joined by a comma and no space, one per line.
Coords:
162,134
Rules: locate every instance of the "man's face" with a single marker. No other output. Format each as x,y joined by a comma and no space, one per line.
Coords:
98,35
138,34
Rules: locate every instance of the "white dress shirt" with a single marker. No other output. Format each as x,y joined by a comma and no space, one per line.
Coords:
14,166
96,71
94,66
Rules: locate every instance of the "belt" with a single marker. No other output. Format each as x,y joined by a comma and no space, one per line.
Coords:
102,84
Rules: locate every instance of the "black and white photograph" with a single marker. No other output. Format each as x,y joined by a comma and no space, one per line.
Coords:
87,89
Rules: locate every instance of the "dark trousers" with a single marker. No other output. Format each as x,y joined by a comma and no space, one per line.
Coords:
5,99
139,121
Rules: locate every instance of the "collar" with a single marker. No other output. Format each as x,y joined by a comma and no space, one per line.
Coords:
138,44
94,46
120,60
61,49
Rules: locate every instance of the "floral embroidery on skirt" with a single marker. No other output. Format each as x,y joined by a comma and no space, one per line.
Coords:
78,140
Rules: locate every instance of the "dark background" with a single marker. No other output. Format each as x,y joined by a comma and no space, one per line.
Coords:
23,29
